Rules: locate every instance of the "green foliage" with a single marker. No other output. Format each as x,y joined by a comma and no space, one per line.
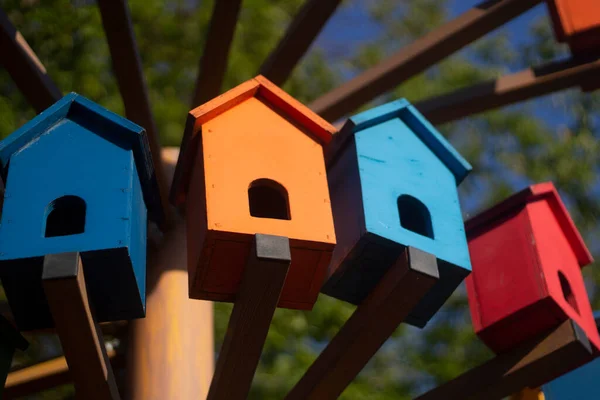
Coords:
508,148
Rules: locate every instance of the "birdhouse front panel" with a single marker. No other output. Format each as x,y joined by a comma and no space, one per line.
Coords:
71,189
577,22
257,170
393,169
527,258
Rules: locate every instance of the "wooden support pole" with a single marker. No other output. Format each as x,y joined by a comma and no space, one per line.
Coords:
262,282
127,66
213,63
373,322
418,56
509,89
555,353
26,70
79,333
303,30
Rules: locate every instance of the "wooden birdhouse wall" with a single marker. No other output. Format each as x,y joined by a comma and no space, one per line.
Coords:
577,22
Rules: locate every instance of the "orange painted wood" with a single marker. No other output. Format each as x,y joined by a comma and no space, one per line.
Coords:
263,279
171,351
527,257
80,336
255,131
577,22
528,394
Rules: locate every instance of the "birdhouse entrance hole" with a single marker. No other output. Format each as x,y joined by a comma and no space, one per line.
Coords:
65,216
567,292
414,216
268,199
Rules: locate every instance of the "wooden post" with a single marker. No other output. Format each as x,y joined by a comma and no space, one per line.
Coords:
369,327
79,333
253,310
555,353
171,351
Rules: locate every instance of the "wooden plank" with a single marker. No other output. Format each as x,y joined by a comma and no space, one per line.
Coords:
418,56
302,31
509,89
259,293
26,70
171,351
373,322
555,353
43,376
80,336
213,63
127,67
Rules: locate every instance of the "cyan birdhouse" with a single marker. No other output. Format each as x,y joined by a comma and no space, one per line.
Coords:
393,183
78,178
10,340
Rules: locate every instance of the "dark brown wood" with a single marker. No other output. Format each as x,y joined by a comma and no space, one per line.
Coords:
301,33
78,331
509,89
418,56
127,66
373,322
213,63
26,70
253,310
555,353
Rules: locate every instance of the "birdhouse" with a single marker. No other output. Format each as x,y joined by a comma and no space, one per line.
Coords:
393,183
580,384
252,162
10,340
527,256
78,178
577,22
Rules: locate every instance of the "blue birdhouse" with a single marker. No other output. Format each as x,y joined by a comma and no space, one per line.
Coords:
78,178
580,384
393,183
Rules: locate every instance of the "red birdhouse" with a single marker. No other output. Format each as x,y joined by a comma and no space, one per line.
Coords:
577,22
527,255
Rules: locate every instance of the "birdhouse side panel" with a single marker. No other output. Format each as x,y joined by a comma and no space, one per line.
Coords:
409,195
348,214
561,269
576,22
507,276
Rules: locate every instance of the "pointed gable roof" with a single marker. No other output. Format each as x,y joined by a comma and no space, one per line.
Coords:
106,124
403,110
541,191
260,88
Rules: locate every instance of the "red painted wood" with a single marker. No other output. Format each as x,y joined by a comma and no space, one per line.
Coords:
519,248
577,22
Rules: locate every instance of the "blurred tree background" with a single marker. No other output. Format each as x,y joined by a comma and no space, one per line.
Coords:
551,138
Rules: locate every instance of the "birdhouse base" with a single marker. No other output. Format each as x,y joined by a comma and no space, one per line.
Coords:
217,273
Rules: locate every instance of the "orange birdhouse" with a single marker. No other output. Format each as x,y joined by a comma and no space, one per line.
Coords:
252,162
577,22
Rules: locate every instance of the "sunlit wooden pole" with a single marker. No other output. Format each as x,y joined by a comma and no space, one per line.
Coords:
171,351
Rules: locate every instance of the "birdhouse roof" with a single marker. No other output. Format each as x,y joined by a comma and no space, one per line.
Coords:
426,132
10,334
541,191
265,91
106,124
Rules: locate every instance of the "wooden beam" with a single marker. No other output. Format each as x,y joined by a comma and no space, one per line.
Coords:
262,282
43,376
373,322
127,66
418,56
297,39
213,63
80,336
26,70
555,353
509,89
171,351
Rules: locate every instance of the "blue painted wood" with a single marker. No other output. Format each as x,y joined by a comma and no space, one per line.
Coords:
579,384
397,153
89,153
